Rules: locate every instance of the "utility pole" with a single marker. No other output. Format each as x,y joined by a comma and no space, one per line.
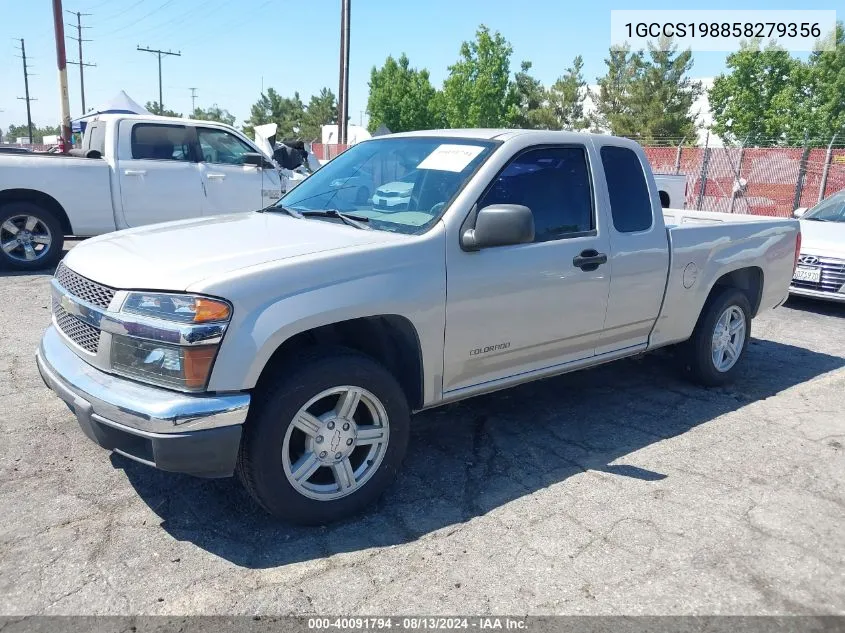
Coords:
61,62
80,63
193,99
26,88
160,53
343,103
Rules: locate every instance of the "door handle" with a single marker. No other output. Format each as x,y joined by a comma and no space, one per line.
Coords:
215,176
589,259
135,172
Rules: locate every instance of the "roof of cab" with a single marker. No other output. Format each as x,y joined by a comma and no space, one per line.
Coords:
504,134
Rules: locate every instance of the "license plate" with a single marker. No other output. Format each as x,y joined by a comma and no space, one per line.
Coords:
803,273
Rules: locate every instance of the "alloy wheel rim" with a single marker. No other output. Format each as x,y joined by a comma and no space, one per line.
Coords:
335,443
728,338
25,238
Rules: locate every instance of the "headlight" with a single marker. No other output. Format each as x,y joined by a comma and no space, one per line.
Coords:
175,344
174,366
174,307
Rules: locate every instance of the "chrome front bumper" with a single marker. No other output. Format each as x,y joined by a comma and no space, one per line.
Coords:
818,294
194,434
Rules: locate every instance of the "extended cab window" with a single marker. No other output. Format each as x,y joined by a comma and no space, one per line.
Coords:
221,147
630,204
160,142
554,182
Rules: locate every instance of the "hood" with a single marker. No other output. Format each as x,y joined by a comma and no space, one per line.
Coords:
175,255
823,238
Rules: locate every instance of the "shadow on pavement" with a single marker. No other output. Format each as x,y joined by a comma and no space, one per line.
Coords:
469,458
817,306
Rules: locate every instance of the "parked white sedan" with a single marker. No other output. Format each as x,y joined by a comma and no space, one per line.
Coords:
821,265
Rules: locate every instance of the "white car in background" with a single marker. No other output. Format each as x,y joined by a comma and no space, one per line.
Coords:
353,191
821,265
396,195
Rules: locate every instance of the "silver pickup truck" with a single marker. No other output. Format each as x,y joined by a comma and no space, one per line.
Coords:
292,344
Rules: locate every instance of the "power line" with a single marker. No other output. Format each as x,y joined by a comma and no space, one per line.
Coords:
80,63
27,98
159,53
134,23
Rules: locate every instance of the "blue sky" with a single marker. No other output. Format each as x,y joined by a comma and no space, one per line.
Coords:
230,46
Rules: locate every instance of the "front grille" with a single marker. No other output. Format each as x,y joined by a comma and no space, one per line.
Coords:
82,334
83,288
832,277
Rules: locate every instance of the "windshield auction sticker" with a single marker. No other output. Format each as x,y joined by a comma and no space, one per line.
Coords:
722,29
450,157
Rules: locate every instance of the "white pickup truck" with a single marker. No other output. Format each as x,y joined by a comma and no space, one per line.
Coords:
292,344
132,170
671,190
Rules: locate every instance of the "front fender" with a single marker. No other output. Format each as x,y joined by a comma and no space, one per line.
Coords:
271,306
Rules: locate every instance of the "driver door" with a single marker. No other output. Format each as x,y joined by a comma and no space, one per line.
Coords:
526,307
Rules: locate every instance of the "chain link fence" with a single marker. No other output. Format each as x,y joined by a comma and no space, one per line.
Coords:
771,181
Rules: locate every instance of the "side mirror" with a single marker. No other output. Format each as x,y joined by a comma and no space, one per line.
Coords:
499,225
254,158
799,212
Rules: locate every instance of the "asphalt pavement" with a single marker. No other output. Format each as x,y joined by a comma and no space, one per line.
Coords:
619,490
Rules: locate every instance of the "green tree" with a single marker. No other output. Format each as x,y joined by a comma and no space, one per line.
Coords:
437,110
475,94
214,113
527,102
757,99
38,133
662,95
614,102
286,112
321,110
822,100
566,98
400,97
155,108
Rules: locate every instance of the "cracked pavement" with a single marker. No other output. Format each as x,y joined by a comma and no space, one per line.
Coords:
619,490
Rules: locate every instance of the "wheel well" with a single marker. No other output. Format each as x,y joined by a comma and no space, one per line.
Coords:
664,199
748,280
40,198
389,339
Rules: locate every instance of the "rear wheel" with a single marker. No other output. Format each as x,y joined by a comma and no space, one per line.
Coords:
713,355
325,438
31,238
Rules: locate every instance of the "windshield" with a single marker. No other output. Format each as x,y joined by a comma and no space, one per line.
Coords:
399,184
830,210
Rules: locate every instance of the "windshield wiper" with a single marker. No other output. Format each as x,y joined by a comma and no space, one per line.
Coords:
818,219
352,220
288,210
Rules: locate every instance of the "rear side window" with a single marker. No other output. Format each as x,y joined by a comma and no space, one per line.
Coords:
160,142
630,204
95,137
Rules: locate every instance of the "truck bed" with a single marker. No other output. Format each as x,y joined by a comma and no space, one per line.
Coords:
702,249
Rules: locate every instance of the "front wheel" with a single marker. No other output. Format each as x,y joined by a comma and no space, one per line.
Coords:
325,438
31,238
714,354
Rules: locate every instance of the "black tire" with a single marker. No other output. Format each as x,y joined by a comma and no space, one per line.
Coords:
695,355
49,256
275,403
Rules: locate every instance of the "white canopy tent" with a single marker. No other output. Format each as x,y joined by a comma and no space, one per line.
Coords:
121,103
